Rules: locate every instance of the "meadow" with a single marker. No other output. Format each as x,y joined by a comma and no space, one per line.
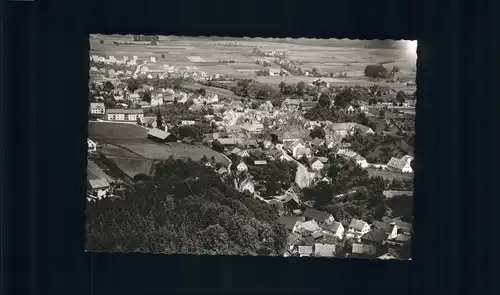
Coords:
158,151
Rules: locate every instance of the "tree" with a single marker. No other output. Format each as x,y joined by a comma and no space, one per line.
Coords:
282,86
401,96
217,146
324,100
317,132
101,41
146,97
163,55
175,100
288,90
381,113
202,91
333,171
108,86
261,94
300,87
159,119
376,71
314,72
344,98
186,208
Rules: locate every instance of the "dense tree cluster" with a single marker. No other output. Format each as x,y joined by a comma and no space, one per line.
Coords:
376,71
275,176
184,208
362,199
380,149
195,131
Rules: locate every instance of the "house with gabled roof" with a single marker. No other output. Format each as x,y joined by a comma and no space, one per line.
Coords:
222,171
403,227
320,217
400,165
98,187
324,250
246,186
305,251
387,256
336,228
242,167
375,237
289,222
317,141
315,164
303,152
389,228
363,249
97,108
307,227
357,228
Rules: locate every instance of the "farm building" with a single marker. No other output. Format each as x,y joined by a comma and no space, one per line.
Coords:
158,135
124,114
98,187
95,172
401,165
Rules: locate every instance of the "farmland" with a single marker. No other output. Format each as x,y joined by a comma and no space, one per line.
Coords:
158,151
107,132
333,56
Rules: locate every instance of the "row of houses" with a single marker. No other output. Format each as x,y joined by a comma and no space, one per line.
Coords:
316,233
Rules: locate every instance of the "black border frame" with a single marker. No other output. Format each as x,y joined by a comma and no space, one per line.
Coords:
46,159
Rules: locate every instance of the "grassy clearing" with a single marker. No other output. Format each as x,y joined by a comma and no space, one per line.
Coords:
106,132
158,151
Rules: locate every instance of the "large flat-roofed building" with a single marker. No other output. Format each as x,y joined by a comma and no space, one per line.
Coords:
124,114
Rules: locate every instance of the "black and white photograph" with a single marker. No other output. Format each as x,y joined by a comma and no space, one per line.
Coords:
290,147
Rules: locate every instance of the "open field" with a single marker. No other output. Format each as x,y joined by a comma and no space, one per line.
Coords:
387,175
158,151
107,132
133,166
348,56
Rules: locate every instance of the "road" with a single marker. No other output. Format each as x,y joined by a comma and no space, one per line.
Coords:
301,169
139,68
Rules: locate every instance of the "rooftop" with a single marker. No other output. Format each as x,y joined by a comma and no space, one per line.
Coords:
125,111
98,183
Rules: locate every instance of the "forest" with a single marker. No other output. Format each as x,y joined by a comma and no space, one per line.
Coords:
184,208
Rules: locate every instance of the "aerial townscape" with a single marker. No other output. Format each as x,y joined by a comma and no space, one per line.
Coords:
251,146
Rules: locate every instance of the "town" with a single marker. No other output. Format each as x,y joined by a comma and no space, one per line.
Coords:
326,158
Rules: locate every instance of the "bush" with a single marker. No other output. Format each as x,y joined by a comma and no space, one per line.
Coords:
376,71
